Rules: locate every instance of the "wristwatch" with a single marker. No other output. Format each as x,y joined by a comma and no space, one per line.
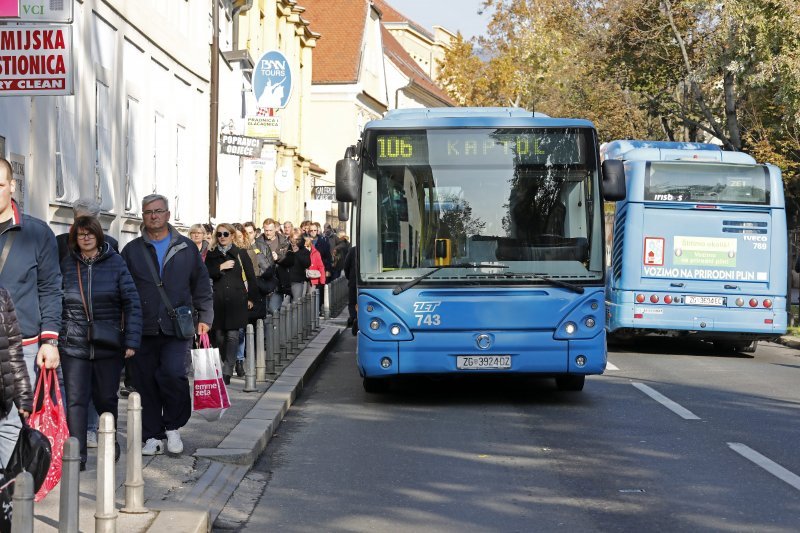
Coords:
51,342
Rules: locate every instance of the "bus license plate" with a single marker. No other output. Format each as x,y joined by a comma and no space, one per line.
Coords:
705,300
478,362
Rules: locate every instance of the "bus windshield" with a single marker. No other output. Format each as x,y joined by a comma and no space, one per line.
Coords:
708,183
526,199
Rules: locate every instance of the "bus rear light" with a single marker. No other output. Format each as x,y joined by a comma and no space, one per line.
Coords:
767,303
740,301
767,321
705,206
753,302
653,298
667,299
640,298
638,315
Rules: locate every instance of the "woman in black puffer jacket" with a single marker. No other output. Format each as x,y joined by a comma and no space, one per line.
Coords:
97,284
15,388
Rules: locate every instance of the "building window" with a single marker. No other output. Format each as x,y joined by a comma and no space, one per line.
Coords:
133,161
182,182
66,163
103,184
159,156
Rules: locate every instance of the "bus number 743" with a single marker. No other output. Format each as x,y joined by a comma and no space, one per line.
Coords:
429,320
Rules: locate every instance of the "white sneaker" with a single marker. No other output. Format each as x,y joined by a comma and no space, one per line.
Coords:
91,439
174,442
153,447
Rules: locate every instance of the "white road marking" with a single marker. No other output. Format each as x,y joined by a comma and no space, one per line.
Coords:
611,366
767,464
666,402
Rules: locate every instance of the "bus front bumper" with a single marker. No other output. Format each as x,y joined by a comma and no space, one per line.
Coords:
530,352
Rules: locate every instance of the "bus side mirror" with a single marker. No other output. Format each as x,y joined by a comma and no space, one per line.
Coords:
344,212
613,180
348,172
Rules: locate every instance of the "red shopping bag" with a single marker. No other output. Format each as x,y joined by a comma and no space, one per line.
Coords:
50,419
210,397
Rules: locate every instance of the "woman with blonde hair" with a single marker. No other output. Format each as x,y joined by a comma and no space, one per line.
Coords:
235,291
302,262
198,235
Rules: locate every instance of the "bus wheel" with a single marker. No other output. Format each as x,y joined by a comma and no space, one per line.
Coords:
570,382
376,385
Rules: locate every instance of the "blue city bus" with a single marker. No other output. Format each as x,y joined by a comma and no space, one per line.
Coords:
480,244
700,245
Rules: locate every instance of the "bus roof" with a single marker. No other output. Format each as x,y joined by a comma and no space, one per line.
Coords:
459,117
634,150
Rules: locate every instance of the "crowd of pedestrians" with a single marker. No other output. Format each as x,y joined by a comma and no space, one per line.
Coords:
76,302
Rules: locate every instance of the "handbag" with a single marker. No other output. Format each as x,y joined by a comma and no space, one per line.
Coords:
210,396
49,418
183,316
313,274
31,454
101,334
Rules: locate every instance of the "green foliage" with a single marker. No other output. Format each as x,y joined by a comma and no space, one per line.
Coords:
693,70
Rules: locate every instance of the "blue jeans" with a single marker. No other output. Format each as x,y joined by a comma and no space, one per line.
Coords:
274,302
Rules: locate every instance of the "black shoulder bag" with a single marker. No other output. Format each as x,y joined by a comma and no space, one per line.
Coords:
183,316
100,333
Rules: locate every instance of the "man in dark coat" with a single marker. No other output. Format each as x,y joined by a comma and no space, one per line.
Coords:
160,364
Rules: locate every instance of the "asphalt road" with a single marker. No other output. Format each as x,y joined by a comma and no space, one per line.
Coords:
716,451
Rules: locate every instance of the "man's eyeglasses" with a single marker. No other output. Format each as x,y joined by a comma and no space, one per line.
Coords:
85,236
157,212
223,234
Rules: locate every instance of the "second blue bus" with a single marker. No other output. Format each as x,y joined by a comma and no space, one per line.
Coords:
700,245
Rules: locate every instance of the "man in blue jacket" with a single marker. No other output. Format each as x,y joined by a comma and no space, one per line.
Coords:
29,271
159,367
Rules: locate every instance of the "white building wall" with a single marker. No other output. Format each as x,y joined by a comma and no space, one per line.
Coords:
137,123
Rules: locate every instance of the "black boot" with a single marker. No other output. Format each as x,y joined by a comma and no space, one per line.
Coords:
239,368
226,379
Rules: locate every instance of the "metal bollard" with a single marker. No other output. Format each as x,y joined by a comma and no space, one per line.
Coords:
105,516
271,332
307,303
298,323
293,329
134,482
249,360
68,507
261,362
315,298
326,302
22,519
283,335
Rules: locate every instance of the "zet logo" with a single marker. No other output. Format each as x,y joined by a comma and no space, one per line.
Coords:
426,307
272,80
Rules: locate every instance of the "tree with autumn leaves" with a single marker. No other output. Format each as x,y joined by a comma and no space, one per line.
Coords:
683,70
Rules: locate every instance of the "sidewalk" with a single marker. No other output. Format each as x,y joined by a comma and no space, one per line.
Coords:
187,493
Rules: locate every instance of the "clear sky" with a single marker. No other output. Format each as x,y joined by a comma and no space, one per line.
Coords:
455,15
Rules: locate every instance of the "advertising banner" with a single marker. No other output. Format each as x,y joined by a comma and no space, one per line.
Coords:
36,60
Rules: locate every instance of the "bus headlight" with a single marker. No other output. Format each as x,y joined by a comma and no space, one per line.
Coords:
374,324
386,362
570,328
589,322
580,361
395,330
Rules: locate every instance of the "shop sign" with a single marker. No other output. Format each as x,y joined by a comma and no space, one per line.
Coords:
35,60
9,8
241,145
272,80
263,127
46,11
325,193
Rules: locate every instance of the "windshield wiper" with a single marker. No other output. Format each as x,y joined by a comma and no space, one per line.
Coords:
407,285
559,283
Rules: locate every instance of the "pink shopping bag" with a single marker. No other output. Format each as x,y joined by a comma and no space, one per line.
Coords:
210,397
51,420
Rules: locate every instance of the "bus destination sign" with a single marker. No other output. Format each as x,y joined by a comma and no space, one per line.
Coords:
480,147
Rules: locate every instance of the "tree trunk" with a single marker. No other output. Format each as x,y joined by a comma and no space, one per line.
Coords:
731,120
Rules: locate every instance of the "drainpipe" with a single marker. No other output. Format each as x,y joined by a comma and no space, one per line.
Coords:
214,112
238,10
